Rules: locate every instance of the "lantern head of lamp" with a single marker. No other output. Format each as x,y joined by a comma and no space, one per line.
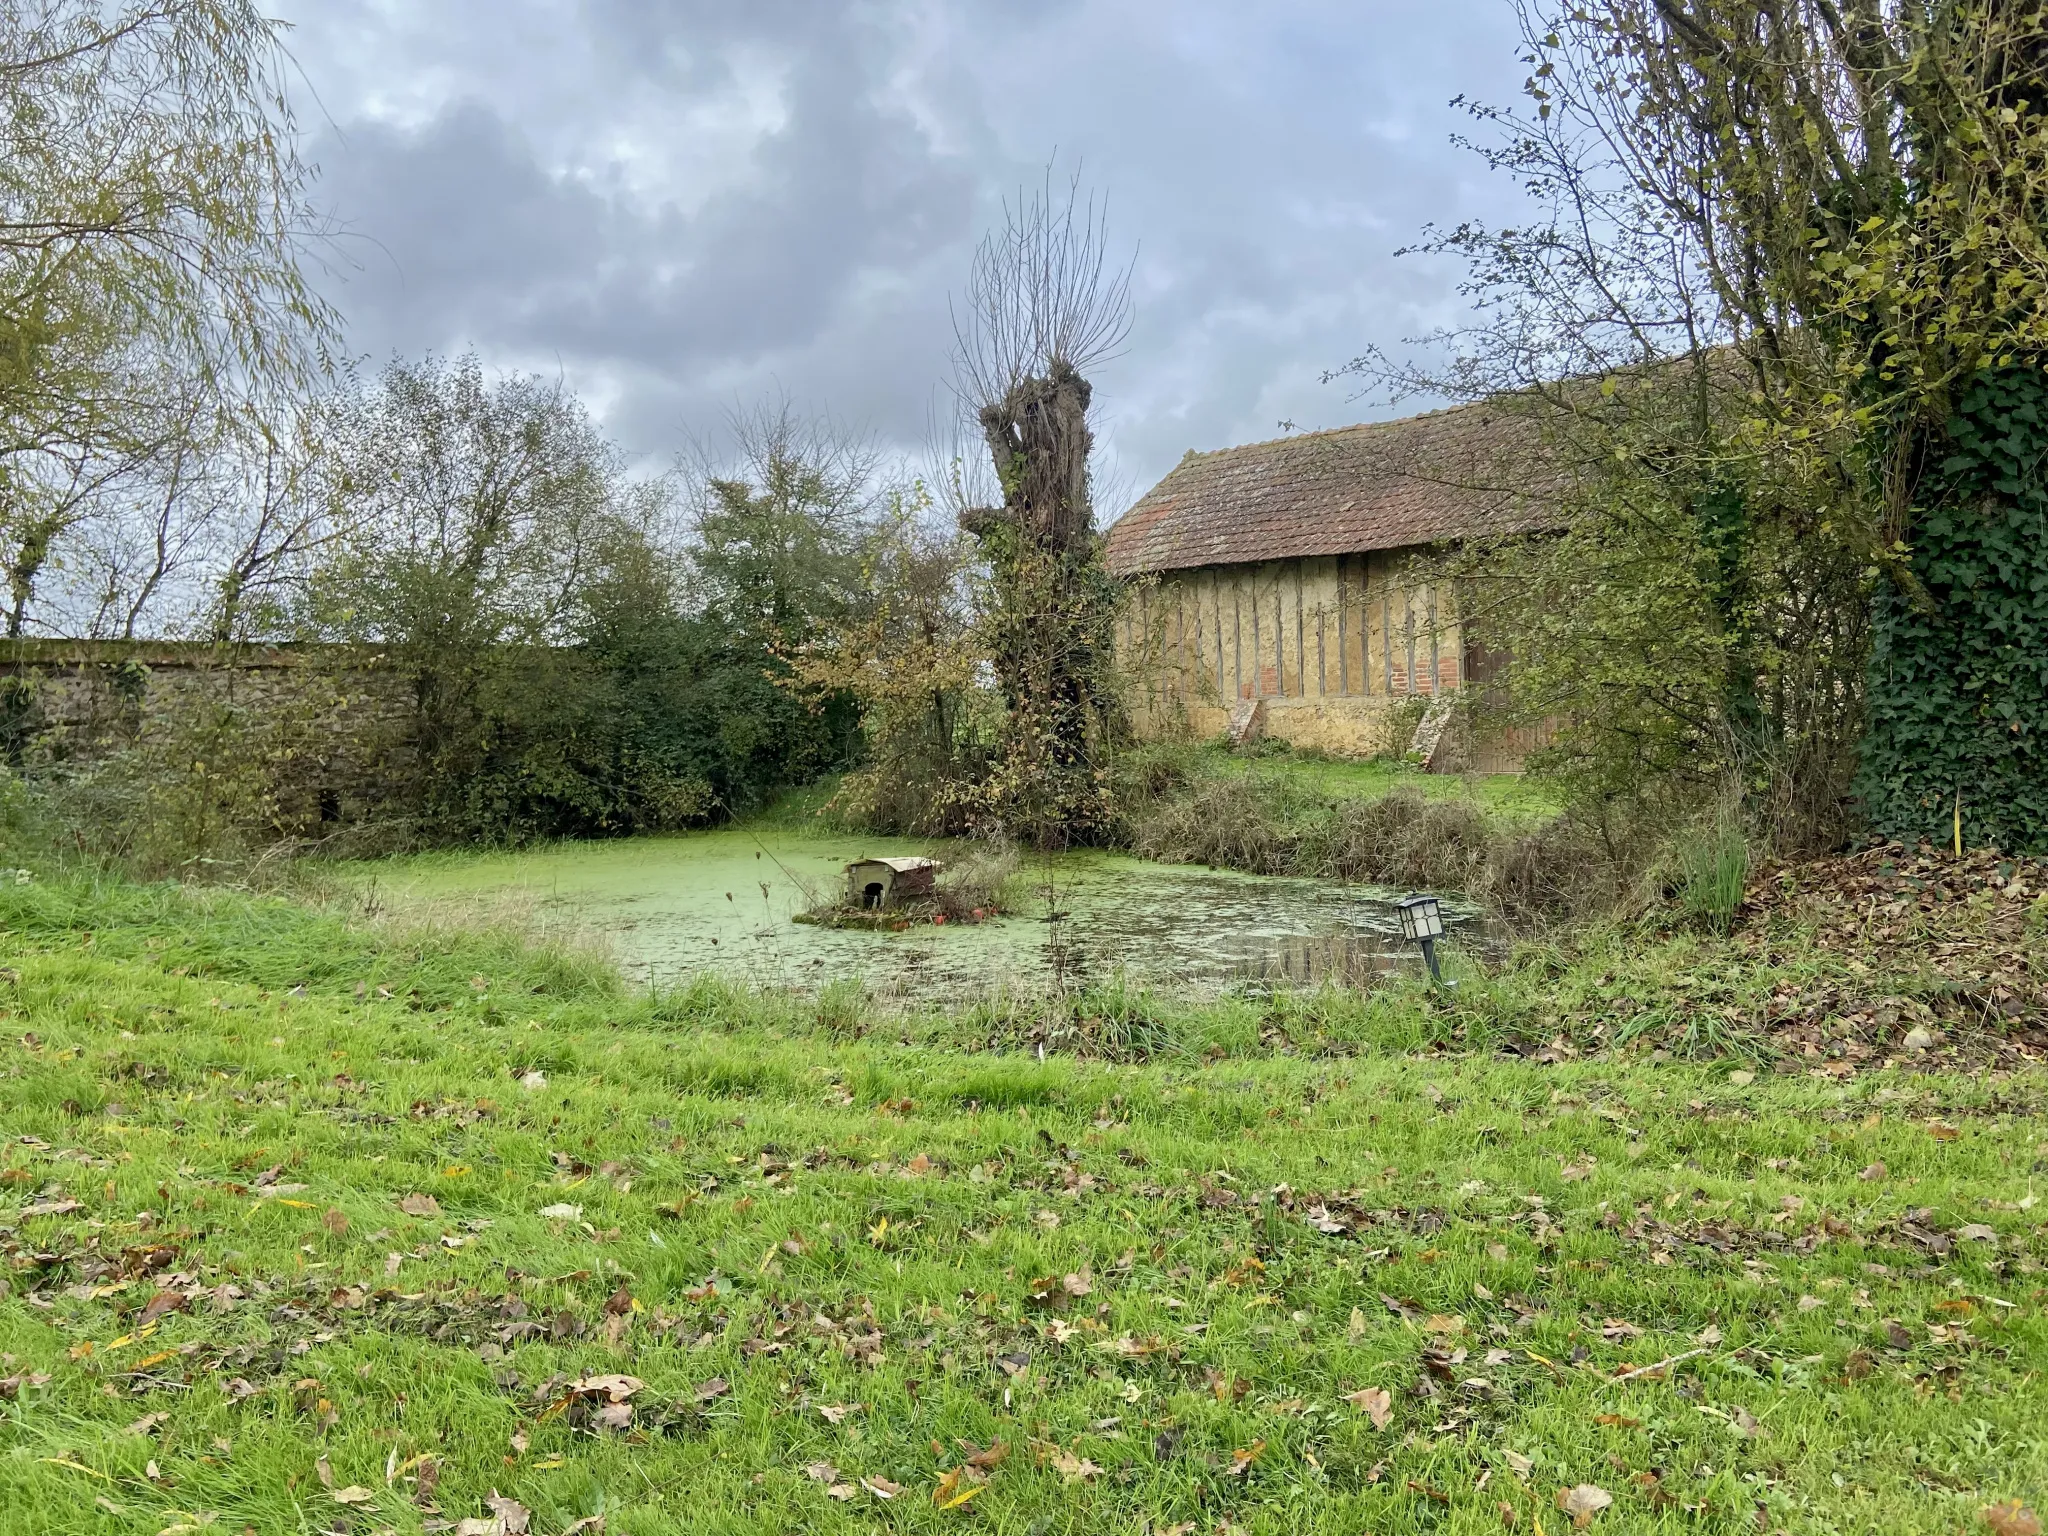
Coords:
1422,922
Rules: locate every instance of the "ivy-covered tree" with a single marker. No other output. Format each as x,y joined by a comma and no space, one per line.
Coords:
1044,308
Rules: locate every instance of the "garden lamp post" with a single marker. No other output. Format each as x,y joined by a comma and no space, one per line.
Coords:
1422,922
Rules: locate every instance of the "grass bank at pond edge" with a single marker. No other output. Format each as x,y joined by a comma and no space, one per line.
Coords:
308,1224
1496,840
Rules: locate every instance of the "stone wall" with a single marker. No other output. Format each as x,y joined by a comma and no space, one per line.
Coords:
329,727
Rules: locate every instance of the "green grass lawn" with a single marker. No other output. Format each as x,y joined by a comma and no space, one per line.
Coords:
313,1228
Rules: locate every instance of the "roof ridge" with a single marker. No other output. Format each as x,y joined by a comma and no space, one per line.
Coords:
1356,426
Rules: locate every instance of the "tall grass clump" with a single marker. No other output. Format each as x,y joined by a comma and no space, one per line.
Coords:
1712,861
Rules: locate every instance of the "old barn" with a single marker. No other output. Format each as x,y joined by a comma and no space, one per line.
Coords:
1294,578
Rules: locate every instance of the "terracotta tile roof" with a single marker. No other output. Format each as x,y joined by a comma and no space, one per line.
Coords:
1426,479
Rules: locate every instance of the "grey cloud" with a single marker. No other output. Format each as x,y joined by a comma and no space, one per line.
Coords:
1266,159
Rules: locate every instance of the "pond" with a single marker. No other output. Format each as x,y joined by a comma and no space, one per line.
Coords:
724,901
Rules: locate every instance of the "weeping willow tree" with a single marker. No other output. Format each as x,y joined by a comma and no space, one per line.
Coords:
1043,309
1782,311
153,217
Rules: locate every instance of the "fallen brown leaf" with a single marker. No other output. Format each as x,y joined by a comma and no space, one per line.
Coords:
420,1205
960,1484
992,1457
1075,1469
508,1517
159,1304
1583,1503
2012,1518
1375,1403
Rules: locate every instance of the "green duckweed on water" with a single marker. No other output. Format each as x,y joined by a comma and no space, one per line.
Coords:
725,901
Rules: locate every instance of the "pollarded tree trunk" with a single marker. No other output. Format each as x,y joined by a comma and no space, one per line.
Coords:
1047,621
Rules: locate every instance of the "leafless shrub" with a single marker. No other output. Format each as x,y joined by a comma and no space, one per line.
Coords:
979,882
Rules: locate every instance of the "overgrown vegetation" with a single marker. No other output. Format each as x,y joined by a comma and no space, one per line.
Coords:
1184,806
1780,273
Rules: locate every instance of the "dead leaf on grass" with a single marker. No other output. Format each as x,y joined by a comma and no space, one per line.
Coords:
1375,1403
615,1389
420,1205
562,1212
838,1413
881,1487
1075,1469
960,1484
2012,1518
509,1517
1582,1503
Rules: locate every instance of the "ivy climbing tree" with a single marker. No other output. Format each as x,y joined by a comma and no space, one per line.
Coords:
1958,702
1043,308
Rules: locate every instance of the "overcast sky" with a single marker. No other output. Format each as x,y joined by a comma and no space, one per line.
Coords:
681,205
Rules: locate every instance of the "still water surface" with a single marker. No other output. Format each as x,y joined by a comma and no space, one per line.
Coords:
723,901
